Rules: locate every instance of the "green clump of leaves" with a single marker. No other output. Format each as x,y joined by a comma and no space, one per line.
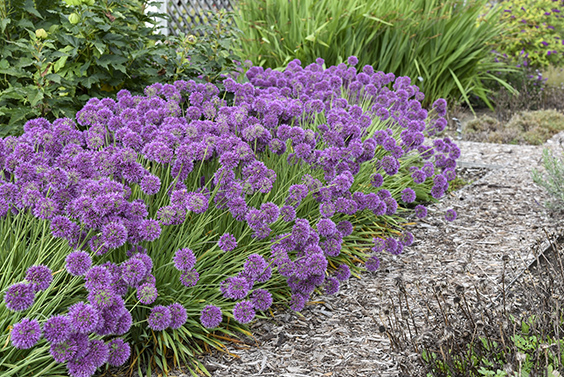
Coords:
552,180
55,55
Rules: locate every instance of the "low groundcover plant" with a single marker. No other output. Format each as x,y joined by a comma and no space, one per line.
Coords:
173,219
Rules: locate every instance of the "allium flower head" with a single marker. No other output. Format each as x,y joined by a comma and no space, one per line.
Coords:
326,227
184,259
133,271
408,195
26,333
261,299
372,263
102,297
114,234
124,323
83,317
211,316
420,211
331,285
57,329
237,287
297,302
160,318
345,227
119,352
254,266
98,352
150,184
178,315
19,296
343,272
81,367
97,277
227,242
64,351
379,245
147,293
189,278
450,215
243,312
78,262
352,60
288,213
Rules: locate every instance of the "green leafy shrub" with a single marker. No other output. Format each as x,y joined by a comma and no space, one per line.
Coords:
534,30
442,46
54,56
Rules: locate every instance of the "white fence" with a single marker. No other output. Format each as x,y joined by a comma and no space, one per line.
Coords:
187,14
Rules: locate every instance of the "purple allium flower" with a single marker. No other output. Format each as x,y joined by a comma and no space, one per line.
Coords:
149,229
81,367
331,286
160,318
406,239
408,195
376,180
419,176
119,352
300,231
211,316
19,296
343,272
254,266
102,297
98,352
243,311
97,277
440,106
379,245
114,234
39,277
450,215
178,315
83,317
269,212
327,209
326,227
237,287
26,333
78,263
197,202
345,227
372,263
352,60
184,259
64,351
391,244
147,293
298,301
124,323
420,211
150,184
143,257
261,299
227,242
133,271
57,329
189,278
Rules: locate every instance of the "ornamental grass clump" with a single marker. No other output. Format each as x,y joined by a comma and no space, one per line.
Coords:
171,220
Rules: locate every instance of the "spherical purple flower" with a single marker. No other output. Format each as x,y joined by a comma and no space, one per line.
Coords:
147,293
197,202
345,227
19,296
149,230
97,277
78,262
184,259
408,195
440,106
83,317
81,367
450,215
124,323
343,272
372,263
237,287
297,301
244,312
300,231
98,352
102,297
26,333
143,257
419,176
326,227
160,318
150,184
420,211
64,351
352,60
119,352
211,316
391,244
269,212
406,239
189,278
327,209
254,266
114,234
133,271
261,299
178,315
376,180
227,242
331,286
57,329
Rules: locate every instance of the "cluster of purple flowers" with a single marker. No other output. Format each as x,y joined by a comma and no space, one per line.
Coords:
20,296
